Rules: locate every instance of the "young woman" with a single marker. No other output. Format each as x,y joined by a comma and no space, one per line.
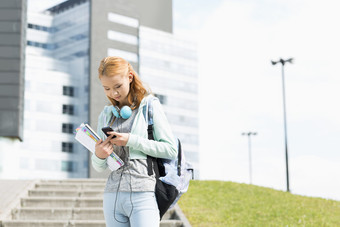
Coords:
129,198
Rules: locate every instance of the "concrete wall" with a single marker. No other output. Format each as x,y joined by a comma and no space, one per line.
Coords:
12,65
155,14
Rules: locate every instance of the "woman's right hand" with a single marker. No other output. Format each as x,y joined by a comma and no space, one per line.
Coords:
104,149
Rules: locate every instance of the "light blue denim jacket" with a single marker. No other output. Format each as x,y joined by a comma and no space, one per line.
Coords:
164,145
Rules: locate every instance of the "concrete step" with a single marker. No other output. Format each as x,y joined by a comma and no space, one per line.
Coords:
68,202
169,214
46,223
73,223
76,181
71,186
57,214
33,213
171,223
65,193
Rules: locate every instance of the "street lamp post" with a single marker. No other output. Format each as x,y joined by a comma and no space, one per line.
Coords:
290,60
249,134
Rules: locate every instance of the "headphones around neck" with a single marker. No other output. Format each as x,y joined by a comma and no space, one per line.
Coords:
124,113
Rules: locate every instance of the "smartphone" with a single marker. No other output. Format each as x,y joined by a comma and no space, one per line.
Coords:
106,130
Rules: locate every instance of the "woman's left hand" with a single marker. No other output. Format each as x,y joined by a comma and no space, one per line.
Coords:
121,139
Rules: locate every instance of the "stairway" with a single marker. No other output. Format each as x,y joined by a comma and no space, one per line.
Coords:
68,203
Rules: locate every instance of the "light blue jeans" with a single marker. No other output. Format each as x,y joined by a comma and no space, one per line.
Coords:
143,205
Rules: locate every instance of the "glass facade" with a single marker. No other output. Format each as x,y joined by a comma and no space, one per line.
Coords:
56,92
168,64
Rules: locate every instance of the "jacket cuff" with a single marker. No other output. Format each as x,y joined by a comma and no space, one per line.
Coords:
97,160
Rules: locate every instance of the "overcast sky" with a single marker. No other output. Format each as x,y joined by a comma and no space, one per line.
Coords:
241,91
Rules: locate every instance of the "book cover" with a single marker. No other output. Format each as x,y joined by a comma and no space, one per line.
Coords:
88,138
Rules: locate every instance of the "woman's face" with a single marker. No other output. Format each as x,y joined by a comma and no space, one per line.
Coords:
117,87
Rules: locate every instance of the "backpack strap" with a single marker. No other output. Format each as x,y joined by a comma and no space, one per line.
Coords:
148,114
148,110
179,155
149,163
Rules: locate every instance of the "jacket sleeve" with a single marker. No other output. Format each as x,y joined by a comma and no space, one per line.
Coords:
99,164
164,145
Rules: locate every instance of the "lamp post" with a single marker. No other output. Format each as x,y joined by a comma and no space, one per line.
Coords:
249,134
290,60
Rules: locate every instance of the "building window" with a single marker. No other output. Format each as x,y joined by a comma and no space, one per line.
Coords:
120,19
67,128
129,56
48,46
67,147
162,98
41,28
67,166
80,54
122,37
68,91
68,109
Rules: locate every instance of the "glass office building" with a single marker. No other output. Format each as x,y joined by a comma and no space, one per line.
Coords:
61,84
56,96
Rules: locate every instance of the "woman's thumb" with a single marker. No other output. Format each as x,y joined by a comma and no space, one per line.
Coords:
99,142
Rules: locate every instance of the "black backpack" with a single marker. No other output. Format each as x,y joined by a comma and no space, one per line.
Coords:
172,176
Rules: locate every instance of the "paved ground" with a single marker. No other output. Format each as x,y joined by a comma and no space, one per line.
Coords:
10,190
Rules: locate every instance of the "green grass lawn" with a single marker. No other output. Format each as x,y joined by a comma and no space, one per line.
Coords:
219,203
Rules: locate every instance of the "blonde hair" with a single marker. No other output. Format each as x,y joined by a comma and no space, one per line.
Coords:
111,66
